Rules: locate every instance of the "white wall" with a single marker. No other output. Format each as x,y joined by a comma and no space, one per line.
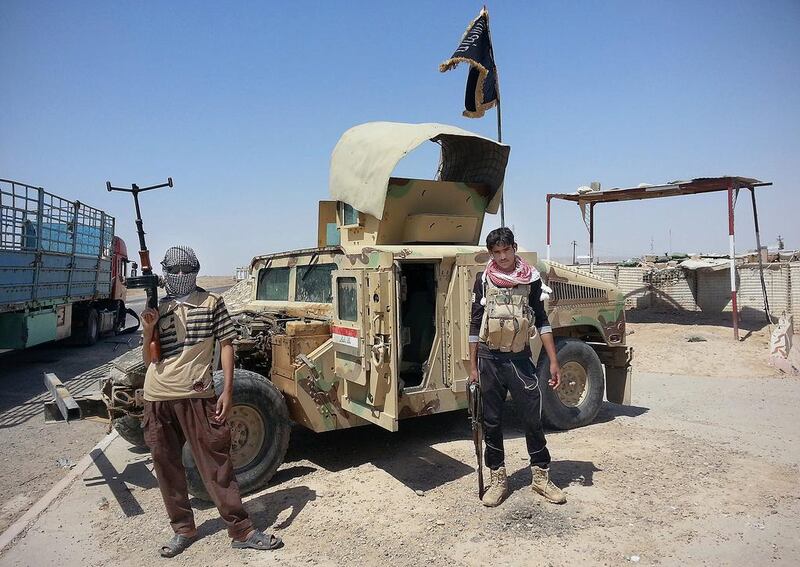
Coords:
708,291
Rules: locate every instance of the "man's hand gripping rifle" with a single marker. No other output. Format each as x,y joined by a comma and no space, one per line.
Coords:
475,406
148,280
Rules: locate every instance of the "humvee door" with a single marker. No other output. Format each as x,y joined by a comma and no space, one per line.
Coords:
365,336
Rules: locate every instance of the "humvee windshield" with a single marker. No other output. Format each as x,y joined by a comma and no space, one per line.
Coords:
314,283
273,284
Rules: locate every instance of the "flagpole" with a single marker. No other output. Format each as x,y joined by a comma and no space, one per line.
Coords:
499,113
500,140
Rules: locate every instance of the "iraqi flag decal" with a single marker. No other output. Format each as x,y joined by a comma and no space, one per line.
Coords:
345,336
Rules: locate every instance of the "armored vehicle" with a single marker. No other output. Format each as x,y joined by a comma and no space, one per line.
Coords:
370,327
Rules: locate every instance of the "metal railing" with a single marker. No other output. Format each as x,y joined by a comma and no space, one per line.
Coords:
35,220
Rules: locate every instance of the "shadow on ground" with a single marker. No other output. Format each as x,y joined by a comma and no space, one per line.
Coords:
79,367
410,456
136,474
268,509
749,319
562,473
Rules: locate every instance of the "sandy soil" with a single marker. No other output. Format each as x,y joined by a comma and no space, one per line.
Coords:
662,480
682,477
697,344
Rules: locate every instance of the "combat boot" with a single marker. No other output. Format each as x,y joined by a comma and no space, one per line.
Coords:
543,485
498,488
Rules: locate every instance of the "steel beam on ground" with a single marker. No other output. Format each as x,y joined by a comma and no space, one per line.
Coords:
63,399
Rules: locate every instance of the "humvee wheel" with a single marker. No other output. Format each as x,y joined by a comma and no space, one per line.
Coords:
247,435
259,424
572,390
580,396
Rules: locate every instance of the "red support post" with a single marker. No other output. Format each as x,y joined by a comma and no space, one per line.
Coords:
732,251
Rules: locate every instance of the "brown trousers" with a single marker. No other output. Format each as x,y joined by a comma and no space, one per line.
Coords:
167,426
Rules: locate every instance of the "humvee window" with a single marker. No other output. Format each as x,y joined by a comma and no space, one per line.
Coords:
347,303
273,284
314,283
349,215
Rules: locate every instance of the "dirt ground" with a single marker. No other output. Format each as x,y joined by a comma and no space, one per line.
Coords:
694,472
685,476
697,344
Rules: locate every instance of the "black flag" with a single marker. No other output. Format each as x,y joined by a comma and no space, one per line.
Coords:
475,49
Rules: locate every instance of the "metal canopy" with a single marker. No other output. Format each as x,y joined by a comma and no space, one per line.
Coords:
731,184
671,189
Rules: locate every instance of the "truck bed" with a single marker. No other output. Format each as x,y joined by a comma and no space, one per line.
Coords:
52,250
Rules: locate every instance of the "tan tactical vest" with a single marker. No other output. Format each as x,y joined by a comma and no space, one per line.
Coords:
507,317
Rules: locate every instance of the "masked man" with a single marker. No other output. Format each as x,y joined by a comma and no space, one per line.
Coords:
181,405
506,302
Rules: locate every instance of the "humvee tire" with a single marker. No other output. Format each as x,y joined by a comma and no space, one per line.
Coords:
580,396
130,429
260,430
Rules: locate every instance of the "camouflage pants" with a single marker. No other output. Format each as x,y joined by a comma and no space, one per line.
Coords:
518,376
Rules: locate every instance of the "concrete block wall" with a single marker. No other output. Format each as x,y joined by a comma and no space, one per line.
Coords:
637,293
709,291
676,291
608,273
750,295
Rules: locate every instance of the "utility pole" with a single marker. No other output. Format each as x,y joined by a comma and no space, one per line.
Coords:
574,248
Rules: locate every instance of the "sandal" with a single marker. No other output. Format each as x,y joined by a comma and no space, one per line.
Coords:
259,540
176,545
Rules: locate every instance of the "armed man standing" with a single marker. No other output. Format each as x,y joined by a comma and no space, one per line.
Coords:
181,405
506,299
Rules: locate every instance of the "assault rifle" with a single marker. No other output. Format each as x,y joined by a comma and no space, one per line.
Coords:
475,407
148,280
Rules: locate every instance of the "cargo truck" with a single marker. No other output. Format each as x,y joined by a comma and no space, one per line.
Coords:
62,269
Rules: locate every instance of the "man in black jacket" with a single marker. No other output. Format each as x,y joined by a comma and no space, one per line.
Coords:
506,299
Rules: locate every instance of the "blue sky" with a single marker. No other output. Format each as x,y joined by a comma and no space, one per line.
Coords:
242,103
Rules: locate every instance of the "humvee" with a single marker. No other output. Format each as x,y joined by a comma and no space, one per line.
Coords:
370,327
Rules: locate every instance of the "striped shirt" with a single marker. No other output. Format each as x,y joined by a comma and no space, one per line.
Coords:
188,331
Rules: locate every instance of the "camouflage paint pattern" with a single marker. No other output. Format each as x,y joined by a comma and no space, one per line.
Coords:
321,400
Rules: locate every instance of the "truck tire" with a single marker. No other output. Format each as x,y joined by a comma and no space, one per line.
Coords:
130,429
580,396
260,428
91,332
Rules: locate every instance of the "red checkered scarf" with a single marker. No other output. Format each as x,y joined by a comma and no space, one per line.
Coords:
523,274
